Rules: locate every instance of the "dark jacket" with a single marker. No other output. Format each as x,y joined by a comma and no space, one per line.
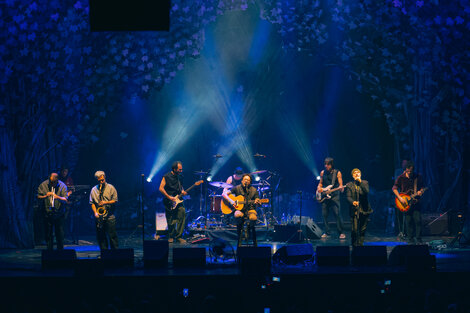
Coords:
358,192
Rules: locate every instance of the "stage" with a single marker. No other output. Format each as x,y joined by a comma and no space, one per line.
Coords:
305,284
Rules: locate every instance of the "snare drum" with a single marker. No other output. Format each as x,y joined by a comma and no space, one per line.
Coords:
215,204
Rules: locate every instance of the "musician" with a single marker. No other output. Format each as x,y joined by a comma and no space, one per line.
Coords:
54,194
103,197
331,176
357,193
251,196
171,186
400,216
236,178
66,179
410,183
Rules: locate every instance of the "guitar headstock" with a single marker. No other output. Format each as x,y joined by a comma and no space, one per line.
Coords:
198,182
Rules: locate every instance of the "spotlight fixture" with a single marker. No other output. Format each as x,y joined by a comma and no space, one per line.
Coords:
209,178
318,177
149,180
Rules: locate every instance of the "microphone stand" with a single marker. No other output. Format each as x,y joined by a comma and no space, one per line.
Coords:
301,236
142,209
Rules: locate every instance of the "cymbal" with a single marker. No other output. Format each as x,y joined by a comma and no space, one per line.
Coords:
258,172
200,172
220,184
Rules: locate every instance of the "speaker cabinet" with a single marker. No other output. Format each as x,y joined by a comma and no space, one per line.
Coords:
332,255
294,254
413,257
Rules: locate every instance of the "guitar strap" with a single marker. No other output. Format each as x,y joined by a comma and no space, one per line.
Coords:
333,180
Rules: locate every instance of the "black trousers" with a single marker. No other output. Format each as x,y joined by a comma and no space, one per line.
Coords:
107,229
413,222
54,222
358,229
400,221
176,220
332,205
251,229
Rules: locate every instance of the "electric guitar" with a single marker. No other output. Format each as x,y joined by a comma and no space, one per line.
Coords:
409,200
325,194
179,198
238,205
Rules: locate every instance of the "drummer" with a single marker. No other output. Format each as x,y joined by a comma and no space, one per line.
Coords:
236,178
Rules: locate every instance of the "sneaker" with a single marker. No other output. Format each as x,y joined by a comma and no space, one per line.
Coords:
325,235
342,236
181,240
170,240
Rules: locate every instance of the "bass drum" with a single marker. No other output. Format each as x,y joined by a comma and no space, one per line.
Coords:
215,204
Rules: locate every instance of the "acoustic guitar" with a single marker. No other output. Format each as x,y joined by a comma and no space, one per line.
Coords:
239,203
409,201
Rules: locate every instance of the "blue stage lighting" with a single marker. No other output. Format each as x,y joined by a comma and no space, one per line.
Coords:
149,180
209,178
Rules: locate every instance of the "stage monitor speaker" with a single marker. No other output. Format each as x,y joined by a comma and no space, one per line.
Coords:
369,255
156,253
58,259
189,257
312,230
118,258
332,255
254,260
124,15
413,257
294,254
435,224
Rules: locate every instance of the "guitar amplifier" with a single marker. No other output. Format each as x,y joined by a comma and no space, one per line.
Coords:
434,224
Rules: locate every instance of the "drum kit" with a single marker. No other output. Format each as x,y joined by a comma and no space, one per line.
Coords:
214,215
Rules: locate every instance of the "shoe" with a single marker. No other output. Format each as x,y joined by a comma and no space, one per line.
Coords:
342,236
325,235
170,240
182,241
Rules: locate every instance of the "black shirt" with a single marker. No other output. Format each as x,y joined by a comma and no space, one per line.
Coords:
358,192
250,195
173,186
328,179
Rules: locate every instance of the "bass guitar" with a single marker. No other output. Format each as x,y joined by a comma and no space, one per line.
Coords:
409,201
325,194
179,198
239,203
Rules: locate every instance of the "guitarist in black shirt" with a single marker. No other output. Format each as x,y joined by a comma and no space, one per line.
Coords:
331,178
171,187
